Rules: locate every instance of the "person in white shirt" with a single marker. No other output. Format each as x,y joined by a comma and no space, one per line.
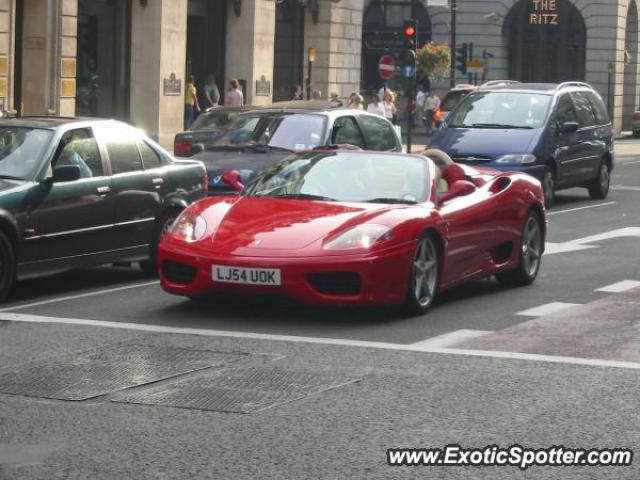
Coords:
234,97
431,104
375,106
389,104
420,100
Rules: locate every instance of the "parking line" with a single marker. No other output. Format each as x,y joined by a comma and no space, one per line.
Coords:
547,309
80,295
558,212
620,286
450,338
17,317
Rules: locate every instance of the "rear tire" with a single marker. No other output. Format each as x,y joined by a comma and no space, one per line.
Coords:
7,266
150,267
424,276
530,254
549,186
599,189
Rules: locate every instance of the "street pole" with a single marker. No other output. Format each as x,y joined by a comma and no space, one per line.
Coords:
452,80
312,58
609,75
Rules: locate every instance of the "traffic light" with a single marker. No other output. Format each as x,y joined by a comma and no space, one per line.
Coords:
462,55
410,34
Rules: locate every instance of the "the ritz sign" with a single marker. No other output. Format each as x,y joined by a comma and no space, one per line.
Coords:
545,12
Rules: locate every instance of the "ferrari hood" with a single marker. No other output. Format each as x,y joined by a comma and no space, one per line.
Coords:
256,226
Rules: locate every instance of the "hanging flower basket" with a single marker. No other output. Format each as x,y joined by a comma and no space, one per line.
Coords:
433,61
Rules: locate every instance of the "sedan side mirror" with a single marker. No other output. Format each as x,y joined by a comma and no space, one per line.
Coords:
460,188
66,173
233,179
569,127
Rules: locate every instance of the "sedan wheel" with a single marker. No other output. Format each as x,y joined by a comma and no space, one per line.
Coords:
530,254
424,276
599,189
7,266
149,267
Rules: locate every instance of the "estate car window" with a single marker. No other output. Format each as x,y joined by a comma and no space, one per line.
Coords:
79,147
584,110
123,155
150,158
346,130
380,135
598,107
566,112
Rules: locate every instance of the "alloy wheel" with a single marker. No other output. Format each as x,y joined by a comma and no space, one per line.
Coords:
425,272
531,246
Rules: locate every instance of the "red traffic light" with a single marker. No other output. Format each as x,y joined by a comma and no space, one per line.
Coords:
409,31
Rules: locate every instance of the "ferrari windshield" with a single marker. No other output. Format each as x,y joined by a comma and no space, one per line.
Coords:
21,151
346,177
501,110
291,131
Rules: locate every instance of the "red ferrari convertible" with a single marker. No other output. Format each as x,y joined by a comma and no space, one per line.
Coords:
364,228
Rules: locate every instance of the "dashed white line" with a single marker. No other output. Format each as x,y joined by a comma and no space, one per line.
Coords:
620,286
547,309
595,205
626,188
75,297
450,338
17,317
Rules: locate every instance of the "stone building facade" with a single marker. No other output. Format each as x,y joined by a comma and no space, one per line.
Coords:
129,59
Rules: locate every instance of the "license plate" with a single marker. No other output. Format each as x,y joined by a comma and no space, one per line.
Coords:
246,276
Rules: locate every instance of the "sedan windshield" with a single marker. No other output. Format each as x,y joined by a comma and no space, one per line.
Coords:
21,151
290,131
501,110
346,177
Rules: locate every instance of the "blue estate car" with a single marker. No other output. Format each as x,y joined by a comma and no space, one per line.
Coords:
559,133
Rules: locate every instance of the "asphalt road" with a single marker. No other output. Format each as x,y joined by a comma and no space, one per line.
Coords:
342,385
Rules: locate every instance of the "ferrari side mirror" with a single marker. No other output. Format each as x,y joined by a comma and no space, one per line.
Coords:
460,188
233,179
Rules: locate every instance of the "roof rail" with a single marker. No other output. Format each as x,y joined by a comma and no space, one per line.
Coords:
464,85
572,84
498,83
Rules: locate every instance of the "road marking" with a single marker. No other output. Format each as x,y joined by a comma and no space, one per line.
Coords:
630,163
581,243
620,286
80,295
17,317
450,338
626,188
596,205
547,309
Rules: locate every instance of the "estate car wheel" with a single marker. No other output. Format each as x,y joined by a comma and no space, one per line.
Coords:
530,254
549,186
599,189
7,266
149,267
424,276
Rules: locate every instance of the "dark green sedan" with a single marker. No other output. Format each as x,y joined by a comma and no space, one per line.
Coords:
83,192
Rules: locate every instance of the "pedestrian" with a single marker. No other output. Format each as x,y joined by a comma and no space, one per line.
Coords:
191,105
234,97
297,93
316,95
356,101
421,97
211,91
431,104
389,105
375,105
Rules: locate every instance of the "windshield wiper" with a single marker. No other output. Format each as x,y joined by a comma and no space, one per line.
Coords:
301,196
390,201
500,125
264,148
10,177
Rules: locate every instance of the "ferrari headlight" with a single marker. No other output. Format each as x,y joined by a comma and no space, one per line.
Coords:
517,159
362,236
189,227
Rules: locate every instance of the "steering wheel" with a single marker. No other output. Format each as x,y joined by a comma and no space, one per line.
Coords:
440,158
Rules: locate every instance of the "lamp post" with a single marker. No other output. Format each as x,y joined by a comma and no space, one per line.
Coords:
312,58
452,74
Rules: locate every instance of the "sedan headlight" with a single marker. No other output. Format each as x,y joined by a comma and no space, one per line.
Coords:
362,236
517,159
189,227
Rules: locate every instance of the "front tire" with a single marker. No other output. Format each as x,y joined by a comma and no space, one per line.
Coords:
599,189
149,267
530,254
423,281
7,266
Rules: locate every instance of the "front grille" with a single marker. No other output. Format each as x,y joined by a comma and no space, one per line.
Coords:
336,283
472,159
178,272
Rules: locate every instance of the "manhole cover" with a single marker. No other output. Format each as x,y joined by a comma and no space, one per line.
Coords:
91,373
240,391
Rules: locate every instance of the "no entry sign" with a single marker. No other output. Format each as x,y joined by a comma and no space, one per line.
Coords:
386,67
